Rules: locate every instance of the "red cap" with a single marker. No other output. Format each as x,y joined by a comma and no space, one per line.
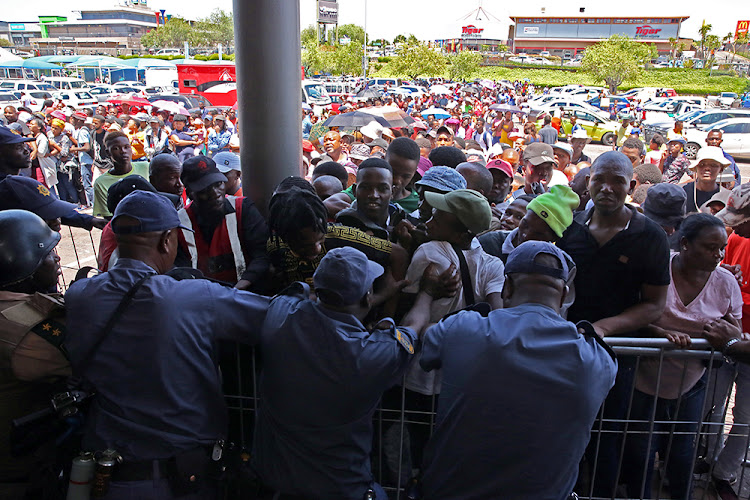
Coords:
307,146
80,115
501,165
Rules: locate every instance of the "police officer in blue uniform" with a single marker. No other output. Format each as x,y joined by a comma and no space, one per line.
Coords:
147,344
323,376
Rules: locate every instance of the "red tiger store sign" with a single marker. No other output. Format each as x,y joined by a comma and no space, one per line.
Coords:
647,31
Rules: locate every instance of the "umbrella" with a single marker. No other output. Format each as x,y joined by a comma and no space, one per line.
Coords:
355,119
368,93
438,113
507,107
440,89
470,90
487,84
236,106
131,100
172,107
29,64
395,117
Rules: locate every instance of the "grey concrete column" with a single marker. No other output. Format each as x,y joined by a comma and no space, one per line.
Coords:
268,59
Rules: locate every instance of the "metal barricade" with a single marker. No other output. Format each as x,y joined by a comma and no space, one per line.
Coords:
404,423
77,248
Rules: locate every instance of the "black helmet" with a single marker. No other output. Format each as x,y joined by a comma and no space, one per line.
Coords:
25,240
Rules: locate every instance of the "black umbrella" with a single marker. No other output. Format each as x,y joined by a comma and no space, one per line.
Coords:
355,119
368,93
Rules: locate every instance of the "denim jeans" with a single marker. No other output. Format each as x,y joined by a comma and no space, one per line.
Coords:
87,174
729,456
676,442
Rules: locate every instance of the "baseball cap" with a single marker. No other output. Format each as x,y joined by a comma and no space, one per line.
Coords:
665,204
502,166
359,152
179,118
537,153
79,115
226,161
714,153
556,207
220,117
444,130
469,206
346,274
721,197
563,147
153,119
25,193
672,136
152,211
424,165
378,142
737,210
120,189
7,136
199,172
522,259
444,179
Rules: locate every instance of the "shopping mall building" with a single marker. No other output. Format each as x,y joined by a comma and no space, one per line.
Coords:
565,36
569,35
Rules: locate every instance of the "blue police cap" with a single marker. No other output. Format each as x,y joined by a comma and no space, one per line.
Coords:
523,260
152,211
347,274
7,136
24,193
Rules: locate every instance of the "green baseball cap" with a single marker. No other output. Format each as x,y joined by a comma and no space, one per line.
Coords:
469,206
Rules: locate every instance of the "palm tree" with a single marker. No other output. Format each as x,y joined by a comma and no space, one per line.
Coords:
704,30
673,46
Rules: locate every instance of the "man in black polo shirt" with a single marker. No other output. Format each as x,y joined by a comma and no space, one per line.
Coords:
621,286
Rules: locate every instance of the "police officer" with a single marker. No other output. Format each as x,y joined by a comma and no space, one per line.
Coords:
14,152
323,376
148,349
31,333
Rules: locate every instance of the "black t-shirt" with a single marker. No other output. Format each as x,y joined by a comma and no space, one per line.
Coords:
99,138
696,197
610,277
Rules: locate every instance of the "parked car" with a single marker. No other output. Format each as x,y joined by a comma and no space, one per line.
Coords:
736,137
620,103
76,98
102,92
9,99
699,118
66,83
129,83
597,127
724,99
565,104
6,85
36,103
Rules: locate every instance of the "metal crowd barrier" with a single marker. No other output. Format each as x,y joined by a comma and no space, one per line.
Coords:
401,424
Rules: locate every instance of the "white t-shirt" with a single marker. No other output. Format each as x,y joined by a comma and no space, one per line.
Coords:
46,163
488,276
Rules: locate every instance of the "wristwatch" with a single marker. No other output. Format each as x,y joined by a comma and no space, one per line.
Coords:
730,343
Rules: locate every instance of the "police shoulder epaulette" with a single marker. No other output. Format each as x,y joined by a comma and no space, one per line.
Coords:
52,331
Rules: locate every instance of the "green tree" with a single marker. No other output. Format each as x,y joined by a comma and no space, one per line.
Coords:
615,60
416,58
399,39
704,30
4,43
174,33
309,34
412,39
673,46
711,44
354,32
217,28
462,65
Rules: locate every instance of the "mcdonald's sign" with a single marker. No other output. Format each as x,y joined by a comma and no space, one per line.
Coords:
742,28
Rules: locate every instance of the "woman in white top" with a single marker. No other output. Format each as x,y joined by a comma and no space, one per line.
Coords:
700,292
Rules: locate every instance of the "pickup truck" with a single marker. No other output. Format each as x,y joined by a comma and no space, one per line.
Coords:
723,100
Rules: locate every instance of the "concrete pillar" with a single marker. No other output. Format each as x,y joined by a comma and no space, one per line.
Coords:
268,59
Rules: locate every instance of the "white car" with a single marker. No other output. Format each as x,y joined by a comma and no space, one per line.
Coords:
557,104
102,92
9,99
129,83
76,98
415,90
736,137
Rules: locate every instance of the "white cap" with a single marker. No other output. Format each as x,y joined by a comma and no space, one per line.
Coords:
712,153
226,161
580,134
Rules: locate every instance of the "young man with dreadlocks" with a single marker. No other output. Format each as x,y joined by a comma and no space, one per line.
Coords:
301,236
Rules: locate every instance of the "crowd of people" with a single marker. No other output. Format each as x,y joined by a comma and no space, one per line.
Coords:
469,266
